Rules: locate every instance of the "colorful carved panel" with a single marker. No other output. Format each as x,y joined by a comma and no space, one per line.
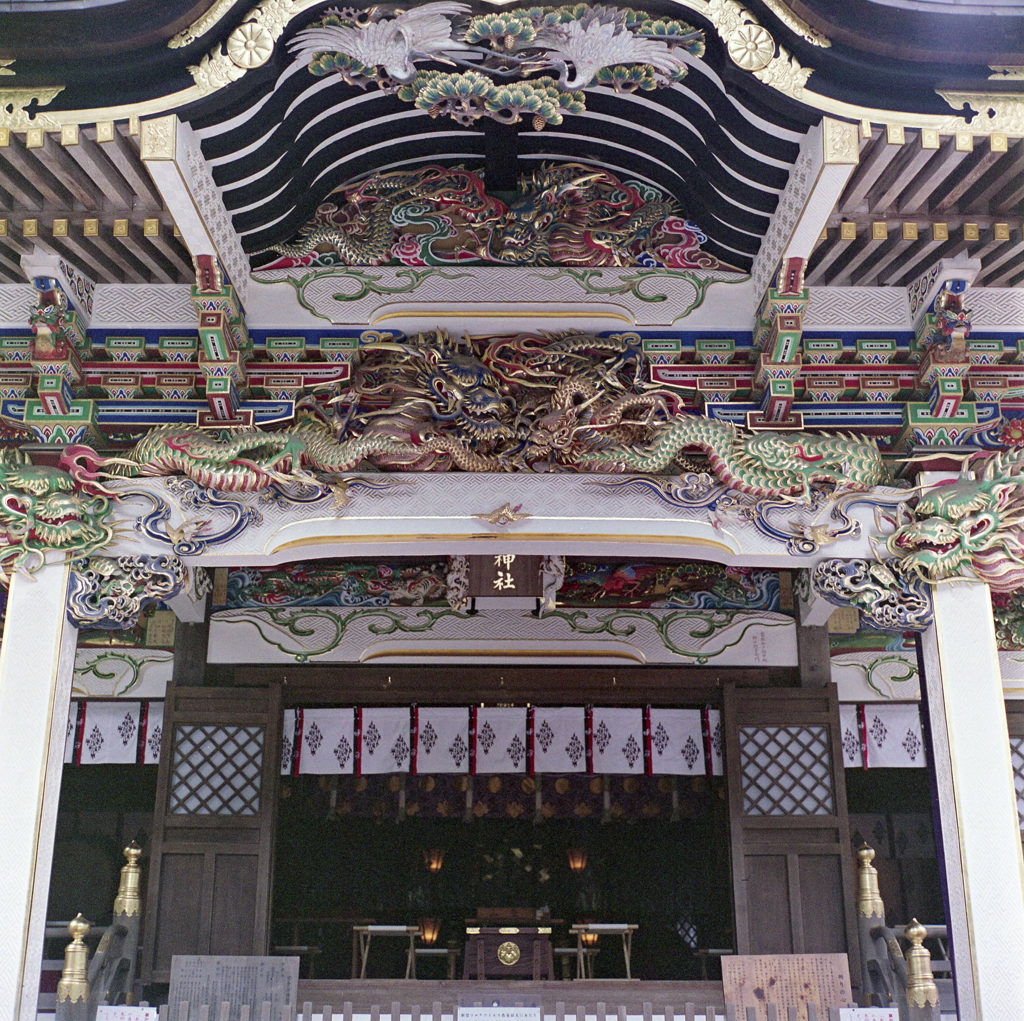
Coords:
566,215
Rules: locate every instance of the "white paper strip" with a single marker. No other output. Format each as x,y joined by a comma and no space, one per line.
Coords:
326,742
385,740
111,733
677,742
154,734
287,741
894,735
618,740
443,742
558,740
850,735
501,740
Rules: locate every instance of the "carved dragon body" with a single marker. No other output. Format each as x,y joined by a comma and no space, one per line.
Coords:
765,464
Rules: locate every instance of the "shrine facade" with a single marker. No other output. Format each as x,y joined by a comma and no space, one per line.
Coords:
577,418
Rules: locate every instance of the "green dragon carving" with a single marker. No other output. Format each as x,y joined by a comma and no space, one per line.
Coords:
44,509
970,525
576,402
250,460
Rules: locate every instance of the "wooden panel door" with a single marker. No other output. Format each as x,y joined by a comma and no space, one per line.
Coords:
791,856
213,829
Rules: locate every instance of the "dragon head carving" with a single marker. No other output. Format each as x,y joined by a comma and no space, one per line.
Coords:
969,525
44,509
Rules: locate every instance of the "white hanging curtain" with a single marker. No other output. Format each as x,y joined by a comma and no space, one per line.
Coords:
893,735
383,740
617,740
882,735
441,740
676,742
559,740
714,741
104,733
152,732
849,728
325,741
288,741
499,740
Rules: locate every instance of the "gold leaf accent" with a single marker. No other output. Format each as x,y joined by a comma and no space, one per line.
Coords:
201,25
504,515
739,28
159,138
1007,109
797,24
1013,72
250,46
19,100
840,141
261,27
751,47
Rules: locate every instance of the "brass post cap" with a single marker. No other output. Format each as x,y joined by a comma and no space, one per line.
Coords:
133,853
866,854
915,932
79,927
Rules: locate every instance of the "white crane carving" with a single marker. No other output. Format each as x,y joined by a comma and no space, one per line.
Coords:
423,32
601,39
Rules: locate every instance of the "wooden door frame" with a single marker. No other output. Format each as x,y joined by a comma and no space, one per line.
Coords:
780,707
163,836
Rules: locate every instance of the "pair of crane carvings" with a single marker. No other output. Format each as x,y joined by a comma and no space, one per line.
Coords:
527,63
575,403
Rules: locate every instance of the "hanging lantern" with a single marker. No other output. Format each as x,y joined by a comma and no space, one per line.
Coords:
577,858
429,928
588,939
433,858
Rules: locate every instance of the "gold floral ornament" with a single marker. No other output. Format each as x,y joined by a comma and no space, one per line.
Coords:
751,47
250,46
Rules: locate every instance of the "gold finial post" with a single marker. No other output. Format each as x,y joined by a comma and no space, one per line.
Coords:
922,993
869,900
128,901
73,987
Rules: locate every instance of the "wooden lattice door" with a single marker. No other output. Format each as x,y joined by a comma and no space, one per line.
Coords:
792,860
213,830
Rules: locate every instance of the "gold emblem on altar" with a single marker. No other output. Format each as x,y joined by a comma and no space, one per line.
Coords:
508,953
